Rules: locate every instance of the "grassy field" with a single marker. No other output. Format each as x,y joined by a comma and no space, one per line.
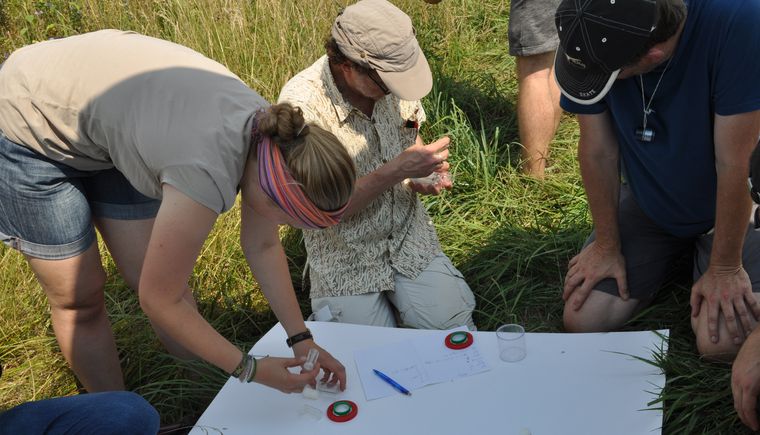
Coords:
511,236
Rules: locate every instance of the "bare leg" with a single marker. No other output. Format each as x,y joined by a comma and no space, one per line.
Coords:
538,110
601,312
724,349
74,288
127,241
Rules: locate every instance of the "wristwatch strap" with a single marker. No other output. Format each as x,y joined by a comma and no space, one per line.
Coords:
301,336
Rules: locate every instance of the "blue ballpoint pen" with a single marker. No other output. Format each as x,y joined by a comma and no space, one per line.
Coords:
391,382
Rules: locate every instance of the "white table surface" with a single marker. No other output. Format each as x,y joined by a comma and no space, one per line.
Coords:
568,384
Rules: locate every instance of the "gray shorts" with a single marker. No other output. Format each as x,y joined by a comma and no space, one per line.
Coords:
439,298
46,207
651,253
531,27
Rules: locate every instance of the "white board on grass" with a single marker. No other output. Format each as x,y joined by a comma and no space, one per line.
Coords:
584,384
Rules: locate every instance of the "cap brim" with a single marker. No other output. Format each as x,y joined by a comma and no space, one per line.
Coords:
578,84
412,84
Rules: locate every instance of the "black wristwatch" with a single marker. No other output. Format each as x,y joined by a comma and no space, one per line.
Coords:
301,336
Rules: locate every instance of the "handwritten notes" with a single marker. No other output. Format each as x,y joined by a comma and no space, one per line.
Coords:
416,362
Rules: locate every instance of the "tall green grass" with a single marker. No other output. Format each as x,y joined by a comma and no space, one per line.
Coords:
510,235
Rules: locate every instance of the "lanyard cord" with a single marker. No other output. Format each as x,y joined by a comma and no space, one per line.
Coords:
644,105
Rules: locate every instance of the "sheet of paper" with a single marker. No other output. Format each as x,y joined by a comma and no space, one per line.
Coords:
442,364
415,363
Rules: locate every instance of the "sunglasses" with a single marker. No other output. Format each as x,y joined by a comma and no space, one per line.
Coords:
372,74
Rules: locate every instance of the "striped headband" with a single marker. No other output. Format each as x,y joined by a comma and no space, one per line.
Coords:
275,180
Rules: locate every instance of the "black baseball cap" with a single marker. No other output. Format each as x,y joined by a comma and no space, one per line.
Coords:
596,39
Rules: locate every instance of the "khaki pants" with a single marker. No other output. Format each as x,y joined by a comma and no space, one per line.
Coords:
439,298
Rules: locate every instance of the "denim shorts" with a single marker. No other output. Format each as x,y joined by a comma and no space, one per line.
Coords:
46,207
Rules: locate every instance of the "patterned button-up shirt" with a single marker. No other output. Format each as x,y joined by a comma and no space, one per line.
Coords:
394,232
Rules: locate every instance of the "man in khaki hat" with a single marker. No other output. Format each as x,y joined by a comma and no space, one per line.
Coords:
382,265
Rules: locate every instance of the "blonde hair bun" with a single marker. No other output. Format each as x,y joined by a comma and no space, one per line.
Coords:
315,157
283,123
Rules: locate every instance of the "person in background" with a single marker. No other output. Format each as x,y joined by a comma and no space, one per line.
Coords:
149,141
667,94
107,413
383,264
533,41
745,373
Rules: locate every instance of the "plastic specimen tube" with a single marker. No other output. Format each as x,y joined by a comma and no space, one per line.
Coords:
311,359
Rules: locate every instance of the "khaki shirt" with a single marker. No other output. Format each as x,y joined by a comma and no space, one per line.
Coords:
157,111
394,232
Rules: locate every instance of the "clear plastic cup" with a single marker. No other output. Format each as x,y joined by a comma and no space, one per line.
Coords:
511,340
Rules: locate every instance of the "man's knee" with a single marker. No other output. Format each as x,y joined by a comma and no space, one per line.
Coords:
114,412
439,298
437,310
136,414
439,319
372,309
724,350
601,312
107,412
583,321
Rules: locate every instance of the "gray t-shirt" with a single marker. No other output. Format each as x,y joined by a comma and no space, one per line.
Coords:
157,111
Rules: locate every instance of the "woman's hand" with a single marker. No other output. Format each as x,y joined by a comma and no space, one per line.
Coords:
273,372
334,370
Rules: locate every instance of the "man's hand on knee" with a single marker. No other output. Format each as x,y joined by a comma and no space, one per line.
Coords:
590,266
729,293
